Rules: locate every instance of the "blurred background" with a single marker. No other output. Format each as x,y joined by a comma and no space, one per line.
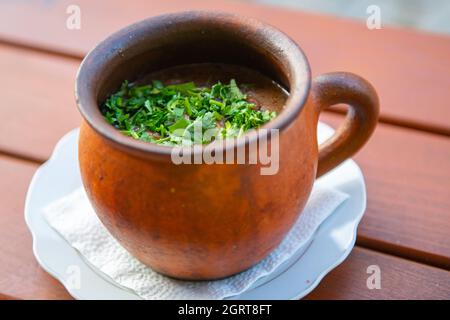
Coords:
427,15
405,230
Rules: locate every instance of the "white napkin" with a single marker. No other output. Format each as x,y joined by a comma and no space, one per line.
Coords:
75,220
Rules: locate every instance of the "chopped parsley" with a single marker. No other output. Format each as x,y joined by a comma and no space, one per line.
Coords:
169,115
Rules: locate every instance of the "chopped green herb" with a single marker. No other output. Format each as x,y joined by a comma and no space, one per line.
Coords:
169,115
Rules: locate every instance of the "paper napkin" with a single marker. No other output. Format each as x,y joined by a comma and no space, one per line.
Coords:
75,220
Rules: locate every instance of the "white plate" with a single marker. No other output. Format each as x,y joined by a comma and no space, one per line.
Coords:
294,279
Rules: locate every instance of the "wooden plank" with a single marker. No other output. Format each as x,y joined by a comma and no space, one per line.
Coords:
400,279
20,275
22,278
38,104
408,184
407,172
411,70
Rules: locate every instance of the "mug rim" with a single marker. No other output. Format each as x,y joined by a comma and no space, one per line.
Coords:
294,57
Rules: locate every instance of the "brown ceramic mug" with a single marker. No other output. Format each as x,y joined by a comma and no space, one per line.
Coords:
210,221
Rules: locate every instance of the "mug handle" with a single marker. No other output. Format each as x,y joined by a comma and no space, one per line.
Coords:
362,115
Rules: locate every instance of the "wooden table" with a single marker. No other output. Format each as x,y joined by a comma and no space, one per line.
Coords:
406,228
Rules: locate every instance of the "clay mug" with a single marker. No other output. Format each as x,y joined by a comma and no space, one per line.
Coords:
208,221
